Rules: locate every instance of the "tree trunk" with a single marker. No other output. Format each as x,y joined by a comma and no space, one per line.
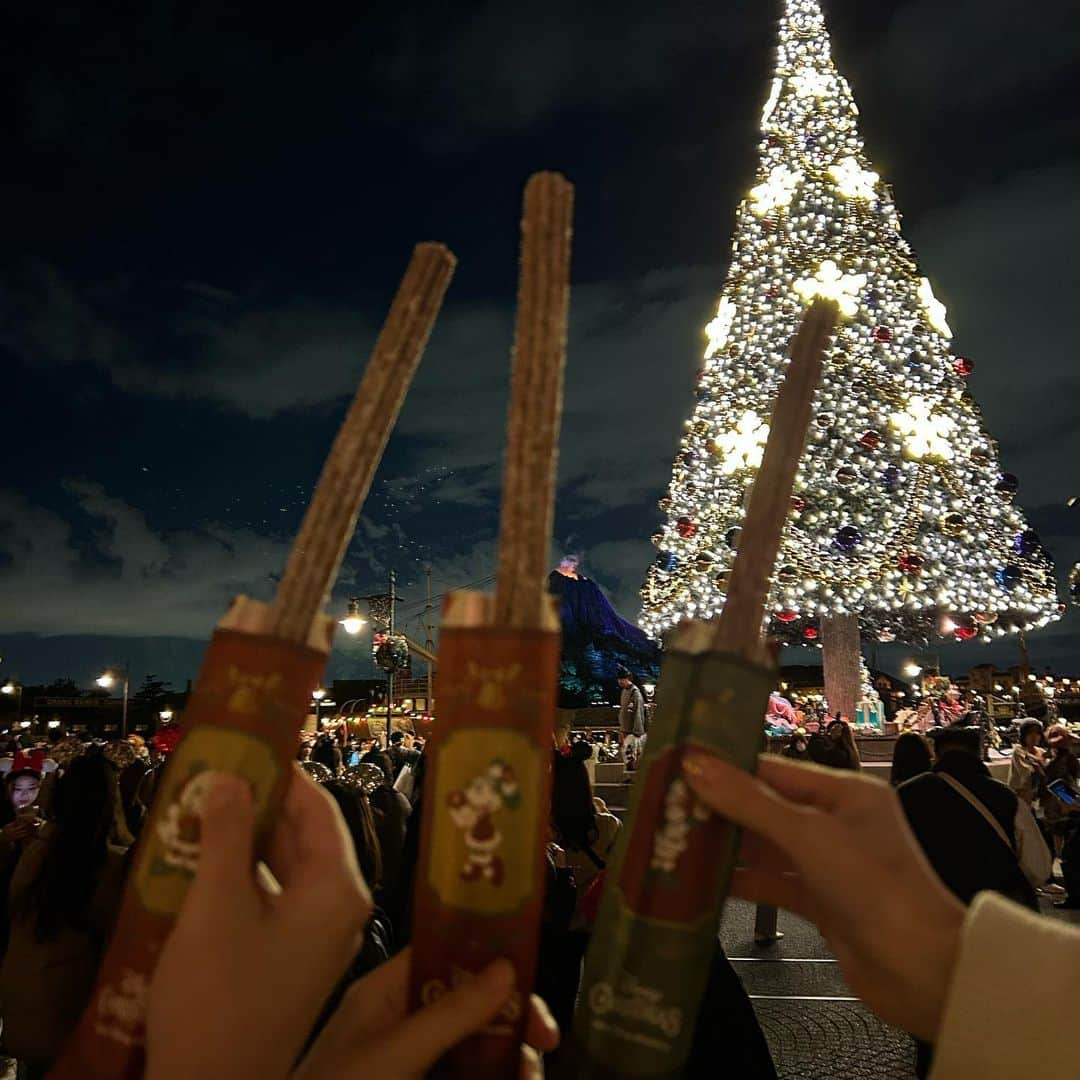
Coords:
840,646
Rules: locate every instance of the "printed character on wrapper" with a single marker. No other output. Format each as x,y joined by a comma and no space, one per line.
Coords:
480,882
251,697
648,963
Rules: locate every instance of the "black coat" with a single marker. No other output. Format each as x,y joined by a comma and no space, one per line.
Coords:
964,850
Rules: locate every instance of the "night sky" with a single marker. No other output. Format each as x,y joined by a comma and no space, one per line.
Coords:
207,212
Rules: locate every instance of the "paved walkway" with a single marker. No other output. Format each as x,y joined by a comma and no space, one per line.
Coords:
816,1028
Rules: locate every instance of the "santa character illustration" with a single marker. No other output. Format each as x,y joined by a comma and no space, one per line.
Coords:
473,809
682,812
180,829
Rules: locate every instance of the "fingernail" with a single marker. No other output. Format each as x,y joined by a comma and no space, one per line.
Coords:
500,976
227,792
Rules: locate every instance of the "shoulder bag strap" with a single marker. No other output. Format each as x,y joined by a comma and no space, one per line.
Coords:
987,816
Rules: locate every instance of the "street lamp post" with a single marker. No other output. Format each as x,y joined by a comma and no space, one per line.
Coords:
106,680
318,694
390,673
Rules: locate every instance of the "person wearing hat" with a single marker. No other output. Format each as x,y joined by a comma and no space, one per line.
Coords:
631,717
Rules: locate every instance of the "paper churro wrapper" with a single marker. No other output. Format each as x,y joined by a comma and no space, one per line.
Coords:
654,942
487,792
243,718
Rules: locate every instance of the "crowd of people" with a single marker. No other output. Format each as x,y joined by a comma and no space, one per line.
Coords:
72,810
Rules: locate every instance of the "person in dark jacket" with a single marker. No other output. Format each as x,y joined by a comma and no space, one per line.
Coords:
966,851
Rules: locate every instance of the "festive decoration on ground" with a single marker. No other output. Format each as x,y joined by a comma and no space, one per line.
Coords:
901,515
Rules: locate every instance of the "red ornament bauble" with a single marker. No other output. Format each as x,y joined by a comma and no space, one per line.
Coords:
810,633
871,440
798,503
964,366
775,140
967,630
772,292
882,335
787,616
910,562
686,528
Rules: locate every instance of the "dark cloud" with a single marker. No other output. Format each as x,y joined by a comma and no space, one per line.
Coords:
966,52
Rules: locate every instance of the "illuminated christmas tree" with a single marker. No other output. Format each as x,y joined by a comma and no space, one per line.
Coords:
902,526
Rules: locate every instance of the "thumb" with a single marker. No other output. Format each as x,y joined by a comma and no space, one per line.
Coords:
227,845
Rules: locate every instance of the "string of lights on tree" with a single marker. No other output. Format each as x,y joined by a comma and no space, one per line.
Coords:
901,513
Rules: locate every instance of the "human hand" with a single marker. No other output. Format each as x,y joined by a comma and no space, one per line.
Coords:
835,847
246,971
22,829
558,855
371,1033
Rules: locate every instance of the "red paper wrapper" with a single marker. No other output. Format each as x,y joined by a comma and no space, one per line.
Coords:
487,793
243,718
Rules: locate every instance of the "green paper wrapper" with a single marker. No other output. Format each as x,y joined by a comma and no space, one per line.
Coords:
648,963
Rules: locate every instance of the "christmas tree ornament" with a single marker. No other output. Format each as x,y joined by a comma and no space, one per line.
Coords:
911,563
870,440
882,335
665,503
964,366
886,634
1007,484
810,633
686,528
890,478
1027,543
847,539
846,476
787,615
985,618
666,562
1008,577
966,627
953,524
731,537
